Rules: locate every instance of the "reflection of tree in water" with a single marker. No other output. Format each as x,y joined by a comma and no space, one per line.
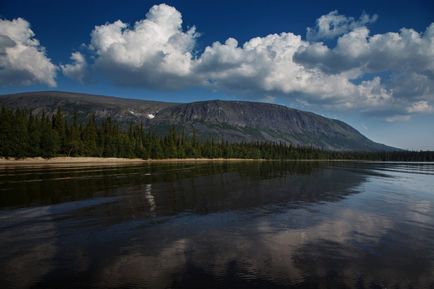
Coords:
212,188
38,186
229,191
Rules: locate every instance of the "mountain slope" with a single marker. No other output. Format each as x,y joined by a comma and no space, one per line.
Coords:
121,109
233,121
237,121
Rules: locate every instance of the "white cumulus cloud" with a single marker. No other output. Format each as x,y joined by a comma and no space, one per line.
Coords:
76,70
154,52
23,60
420,106
265,65
406,50
334,24
406,58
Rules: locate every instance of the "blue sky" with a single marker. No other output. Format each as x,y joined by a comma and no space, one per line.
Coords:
369,63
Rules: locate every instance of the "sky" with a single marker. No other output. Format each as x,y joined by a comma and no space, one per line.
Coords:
368,63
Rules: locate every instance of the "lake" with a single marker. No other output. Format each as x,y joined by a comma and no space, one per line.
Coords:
218,225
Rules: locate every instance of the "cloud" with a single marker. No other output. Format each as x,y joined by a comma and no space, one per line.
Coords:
78,69
404,58
156,52
333,25
265,65
406,50
398,118
23,60
420,106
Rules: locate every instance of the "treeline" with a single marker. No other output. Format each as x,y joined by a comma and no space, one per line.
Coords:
23,134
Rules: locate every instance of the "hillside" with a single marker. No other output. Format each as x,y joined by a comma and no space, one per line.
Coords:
233,121
120,109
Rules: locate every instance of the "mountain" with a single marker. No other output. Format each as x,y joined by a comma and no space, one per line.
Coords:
233,121
121,109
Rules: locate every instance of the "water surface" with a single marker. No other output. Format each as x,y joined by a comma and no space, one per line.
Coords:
218,225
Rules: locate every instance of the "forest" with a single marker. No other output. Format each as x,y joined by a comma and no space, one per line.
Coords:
23,134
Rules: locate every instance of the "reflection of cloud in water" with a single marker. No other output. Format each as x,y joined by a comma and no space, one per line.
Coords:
421,211
29,242
265,253
346,227
152,271
150,198
28,247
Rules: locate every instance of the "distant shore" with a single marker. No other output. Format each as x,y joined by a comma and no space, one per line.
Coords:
100,161
105,161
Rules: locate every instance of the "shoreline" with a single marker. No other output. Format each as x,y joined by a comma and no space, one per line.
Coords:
107,160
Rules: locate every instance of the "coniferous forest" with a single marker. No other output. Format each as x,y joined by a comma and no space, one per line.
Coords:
23,134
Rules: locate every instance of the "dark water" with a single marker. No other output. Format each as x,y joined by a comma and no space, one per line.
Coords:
221,225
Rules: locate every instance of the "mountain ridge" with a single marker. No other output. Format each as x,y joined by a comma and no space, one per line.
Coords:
232,121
